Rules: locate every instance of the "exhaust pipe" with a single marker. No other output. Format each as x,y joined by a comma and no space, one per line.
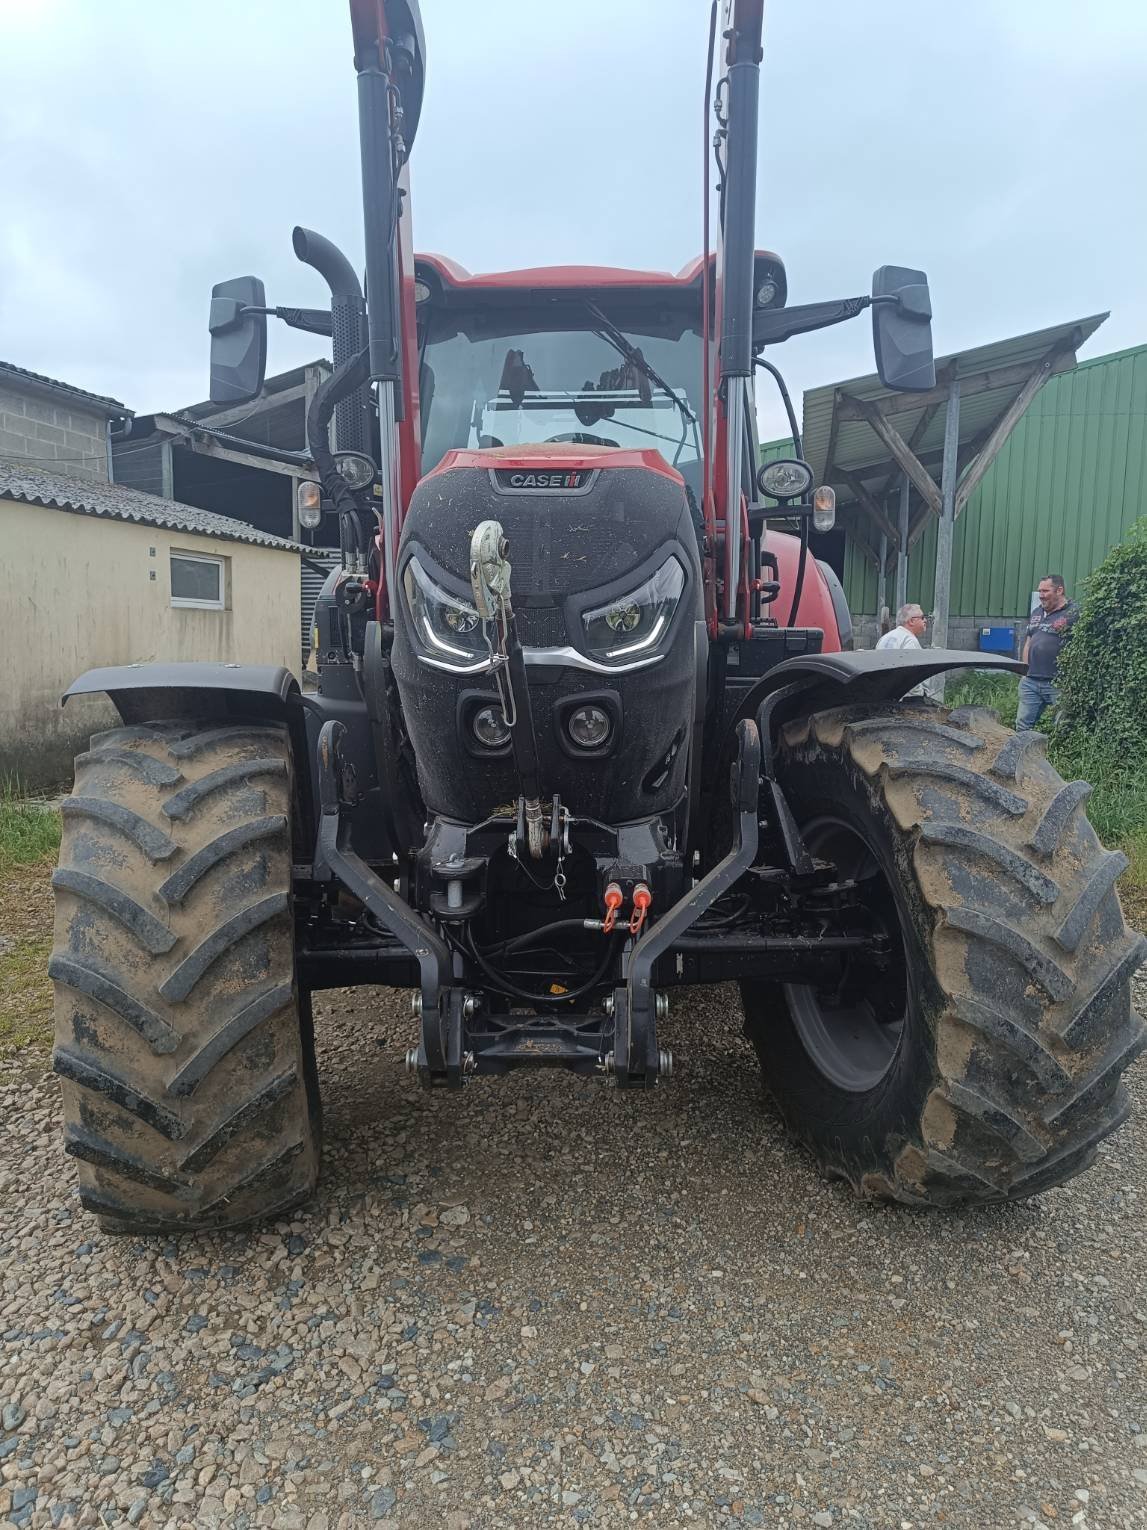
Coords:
348,332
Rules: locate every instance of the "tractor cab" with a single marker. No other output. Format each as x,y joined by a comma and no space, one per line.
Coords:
581,356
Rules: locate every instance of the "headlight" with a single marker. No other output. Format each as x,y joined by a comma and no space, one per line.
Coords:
356,469
787,479
634,624
448,627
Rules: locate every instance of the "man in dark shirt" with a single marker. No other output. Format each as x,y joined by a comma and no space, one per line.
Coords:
1048,630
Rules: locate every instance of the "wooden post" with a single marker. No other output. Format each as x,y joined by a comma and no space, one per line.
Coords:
943,588
902,548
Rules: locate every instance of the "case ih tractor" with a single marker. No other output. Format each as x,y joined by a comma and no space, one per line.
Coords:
587,731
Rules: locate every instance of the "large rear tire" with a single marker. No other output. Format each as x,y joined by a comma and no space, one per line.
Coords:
986,1063
183,1045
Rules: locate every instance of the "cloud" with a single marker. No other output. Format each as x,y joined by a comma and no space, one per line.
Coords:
151,150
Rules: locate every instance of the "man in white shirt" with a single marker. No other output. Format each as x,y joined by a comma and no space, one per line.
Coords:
909,629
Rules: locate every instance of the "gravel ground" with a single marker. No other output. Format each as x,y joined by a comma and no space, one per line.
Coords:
542,1302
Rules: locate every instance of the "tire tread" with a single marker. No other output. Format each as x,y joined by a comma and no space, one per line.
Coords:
186,1074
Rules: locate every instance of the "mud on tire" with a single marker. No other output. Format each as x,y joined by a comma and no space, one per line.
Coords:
1005,1073
183,1046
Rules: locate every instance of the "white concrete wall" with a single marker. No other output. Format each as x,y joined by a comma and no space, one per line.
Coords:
77,591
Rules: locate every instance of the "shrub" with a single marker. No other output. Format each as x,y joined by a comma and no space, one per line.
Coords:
1103,669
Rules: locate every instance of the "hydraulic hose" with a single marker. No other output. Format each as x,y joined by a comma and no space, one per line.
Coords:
802,564
798,446
351,375
532,937
504,985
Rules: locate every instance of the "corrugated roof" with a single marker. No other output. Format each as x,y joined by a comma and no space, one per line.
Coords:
58,491
53,385
855,446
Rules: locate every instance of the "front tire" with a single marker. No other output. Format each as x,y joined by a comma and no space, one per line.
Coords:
182,1042
985,1064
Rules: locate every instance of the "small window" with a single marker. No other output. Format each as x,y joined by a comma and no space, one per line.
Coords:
197,581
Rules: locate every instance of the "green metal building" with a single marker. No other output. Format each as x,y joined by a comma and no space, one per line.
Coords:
1066,486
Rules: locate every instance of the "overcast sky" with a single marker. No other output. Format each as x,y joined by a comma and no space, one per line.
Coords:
150,149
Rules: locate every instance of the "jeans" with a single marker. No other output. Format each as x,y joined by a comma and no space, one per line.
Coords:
1034,696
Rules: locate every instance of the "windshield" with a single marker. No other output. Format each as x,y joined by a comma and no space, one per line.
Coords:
494,378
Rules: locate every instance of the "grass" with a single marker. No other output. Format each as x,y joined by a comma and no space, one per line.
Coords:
1118,803
982,688
29,840
29,833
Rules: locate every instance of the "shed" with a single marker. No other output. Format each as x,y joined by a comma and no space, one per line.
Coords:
96,573
915,472
1065,488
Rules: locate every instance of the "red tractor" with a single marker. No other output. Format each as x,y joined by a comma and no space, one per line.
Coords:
587,731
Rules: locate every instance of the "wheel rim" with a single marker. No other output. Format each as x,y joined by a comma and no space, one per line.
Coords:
852,1026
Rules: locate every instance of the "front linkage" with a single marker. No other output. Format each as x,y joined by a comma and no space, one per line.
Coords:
792,922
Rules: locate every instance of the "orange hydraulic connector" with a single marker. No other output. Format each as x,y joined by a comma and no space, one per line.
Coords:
614,898
642,898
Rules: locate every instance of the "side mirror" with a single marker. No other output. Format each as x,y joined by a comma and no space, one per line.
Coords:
238,340
902,329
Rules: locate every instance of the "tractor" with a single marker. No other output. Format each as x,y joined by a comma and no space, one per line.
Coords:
589,728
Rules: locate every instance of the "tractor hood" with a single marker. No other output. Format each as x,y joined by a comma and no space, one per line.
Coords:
606,588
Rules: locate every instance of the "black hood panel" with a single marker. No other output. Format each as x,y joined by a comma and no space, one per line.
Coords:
566,542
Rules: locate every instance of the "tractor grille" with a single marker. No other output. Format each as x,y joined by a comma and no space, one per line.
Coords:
541,626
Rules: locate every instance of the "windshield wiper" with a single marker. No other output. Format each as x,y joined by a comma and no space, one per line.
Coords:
608,330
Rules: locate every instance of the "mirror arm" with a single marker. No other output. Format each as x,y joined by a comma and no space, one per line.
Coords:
316,321
772,325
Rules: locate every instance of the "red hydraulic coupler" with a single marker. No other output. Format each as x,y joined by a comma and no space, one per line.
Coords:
614,898
642,898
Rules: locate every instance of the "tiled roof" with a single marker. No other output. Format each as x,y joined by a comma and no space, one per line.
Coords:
112,405
115,502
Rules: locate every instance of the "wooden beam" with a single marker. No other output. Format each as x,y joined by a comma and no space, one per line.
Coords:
834,426
1011,376
207,446
1008,421
914,440
871,505
901,453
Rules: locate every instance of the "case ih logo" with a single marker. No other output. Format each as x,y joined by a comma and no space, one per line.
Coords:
534,478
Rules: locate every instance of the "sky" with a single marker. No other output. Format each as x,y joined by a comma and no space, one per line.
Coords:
151,149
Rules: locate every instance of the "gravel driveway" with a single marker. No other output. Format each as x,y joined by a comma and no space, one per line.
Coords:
543,1302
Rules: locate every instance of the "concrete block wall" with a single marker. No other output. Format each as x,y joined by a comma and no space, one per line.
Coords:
54,435
963,631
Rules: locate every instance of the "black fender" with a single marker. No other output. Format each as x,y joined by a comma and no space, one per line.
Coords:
816,682
137,690
264,692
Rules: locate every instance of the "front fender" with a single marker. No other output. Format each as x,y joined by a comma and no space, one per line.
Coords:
141,692
817,681
144,693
